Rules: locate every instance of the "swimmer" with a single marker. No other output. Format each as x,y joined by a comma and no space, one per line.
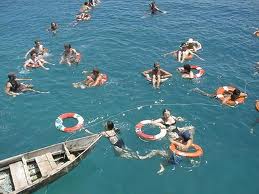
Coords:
94,79
153,8
193,45
85,7
35,62
228,96
14,88
182,54
186,72
157,74
118,144
38,49
256,33
183,138
83,16
70,56
53,27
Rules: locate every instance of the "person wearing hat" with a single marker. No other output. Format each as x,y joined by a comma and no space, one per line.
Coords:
13,87
156,75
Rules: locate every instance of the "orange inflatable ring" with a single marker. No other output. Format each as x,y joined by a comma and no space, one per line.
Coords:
59,122
223,90
257,105
198,151
142,135
197,75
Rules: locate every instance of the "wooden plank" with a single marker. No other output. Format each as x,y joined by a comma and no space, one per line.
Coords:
51,161
26,170
71,157
18,175
43,164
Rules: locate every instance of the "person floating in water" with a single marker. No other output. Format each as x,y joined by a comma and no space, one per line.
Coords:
229,95
14,88
118,144
193,45
53,27
35,62
186,72
38,49
70,55
256,33
153,8
86,7
96,78
83,17
156,75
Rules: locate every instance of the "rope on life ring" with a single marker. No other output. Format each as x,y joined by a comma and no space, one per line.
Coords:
200,73
198,151
59,122
225,89
142,135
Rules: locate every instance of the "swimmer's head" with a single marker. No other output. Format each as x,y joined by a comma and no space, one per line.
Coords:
166,113
236,94
156,65
187,68
11,76
109,125
67,46
37,42
182,45
96,71
86,3
33,53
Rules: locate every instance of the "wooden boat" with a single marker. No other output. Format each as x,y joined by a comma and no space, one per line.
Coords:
27,172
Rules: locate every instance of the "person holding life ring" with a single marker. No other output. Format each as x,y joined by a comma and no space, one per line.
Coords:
96,78
188,74
156,75
38,49
35,62
182,54
70,56
230,96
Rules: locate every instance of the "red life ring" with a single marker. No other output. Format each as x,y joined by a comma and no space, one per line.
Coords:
198,151
200,73
222,90
142,135
59,122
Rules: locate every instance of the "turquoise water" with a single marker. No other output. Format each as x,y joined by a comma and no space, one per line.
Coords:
123,41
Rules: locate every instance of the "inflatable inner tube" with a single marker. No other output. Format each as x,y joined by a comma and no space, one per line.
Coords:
200,73
198,151
59,122
142,135
150,79
221,91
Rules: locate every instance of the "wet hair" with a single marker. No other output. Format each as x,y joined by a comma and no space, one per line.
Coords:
166,110
67,46
183,44
95,70
187,68
86,3
156,65
32,52
235,95
11,76
109,125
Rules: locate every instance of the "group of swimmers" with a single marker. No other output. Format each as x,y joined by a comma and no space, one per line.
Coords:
84,14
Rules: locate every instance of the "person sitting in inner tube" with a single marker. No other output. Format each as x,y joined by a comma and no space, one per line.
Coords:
182,54
53,27
13,87
186,72
83,16
70,55
256,33
94,79
38,49
228,96
154,8
193,45
156,75
35,62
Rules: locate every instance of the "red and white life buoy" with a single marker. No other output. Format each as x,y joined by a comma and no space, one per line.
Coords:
200,73
142,135
59,122
150,79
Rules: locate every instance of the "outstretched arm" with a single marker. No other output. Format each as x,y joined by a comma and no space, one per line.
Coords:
166,74
145,73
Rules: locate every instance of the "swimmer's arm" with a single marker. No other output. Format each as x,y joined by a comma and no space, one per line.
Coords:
145,73
41,63
243,94
97,81
23,79
9,92
158,123
166,74
178,118
169,53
